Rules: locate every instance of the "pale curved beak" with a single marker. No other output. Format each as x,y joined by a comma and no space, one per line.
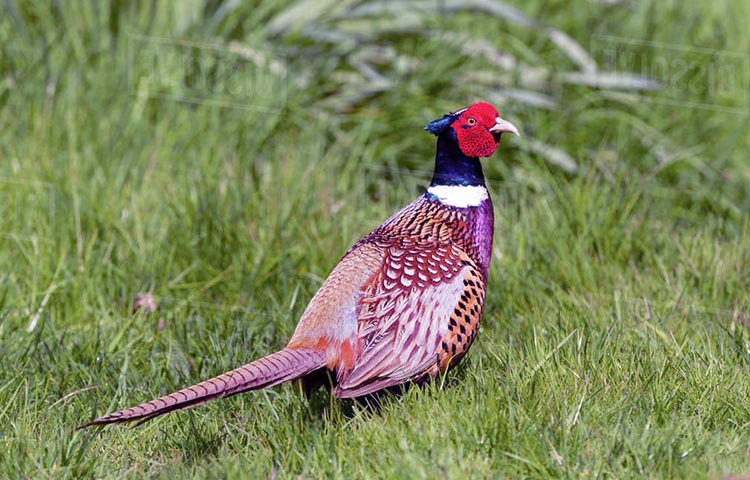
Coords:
503,126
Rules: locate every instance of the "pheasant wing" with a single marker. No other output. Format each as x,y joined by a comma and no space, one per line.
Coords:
405,316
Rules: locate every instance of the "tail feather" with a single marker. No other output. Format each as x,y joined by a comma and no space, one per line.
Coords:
276,368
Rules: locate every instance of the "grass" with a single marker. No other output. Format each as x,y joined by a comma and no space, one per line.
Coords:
615,341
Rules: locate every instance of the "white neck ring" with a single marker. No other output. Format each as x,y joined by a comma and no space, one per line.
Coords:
460,196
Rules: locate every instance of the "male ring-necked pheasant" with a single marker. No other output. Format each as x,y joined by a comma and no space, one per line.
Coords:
404,303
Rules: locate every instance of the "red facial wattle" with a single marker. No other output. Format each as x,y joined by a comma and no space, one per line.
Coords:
473,130
475,141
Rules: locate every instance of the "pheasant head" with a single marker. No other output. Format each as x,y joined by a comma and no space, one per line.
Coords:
477,129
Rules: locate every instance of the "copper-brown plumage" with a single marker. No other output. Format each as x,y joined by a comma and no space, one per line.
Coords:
404,303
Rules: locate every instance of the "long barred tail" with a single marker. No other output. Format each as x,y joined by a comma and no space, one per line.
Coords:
276,368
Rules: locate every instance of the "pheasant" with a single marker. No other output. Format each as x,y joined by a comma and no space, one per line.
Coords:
404,303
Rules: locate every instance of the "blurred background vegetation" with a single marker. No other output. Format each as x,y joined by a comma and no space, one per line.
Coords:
222,156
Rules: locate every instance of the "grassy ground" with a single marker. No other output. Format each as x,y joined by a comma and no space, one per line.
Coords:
615,341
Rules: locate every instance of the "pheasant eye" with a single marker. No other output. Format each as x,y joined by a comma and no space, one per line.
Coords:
471,121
